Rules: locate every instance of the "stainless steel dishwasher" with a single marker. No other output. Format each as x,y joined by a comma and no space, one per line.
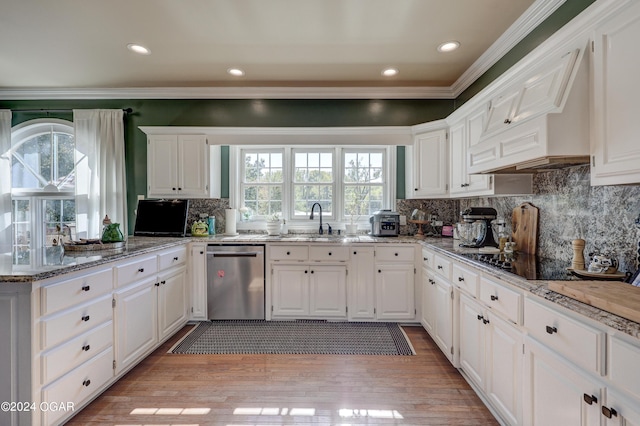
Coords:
235,281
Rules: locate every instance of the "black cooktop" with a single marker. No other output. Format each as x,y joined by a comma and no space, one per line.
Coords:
525,265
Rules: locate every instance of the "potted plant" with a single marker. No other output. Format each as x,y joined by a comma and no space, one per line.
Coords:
353,209
273,224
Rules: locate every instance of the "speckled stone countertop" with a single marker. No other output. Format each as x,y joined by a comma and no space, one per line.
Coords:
538,287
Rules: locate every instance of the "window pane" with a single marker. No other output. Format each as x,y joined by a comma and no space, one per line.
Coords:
326,159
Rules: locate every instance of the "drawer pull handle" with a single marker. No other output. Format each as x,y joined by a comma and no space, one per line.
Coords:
157,284
355,252
86,348
141,270
312,272
163,282
439,266
485,321
85,318
480,317
590,399
329,253
306,272
433,282
201,252
175,258
460,279
551,330
494,298
609,412
288,253
86,288
425,258
396,254
379,271
86,383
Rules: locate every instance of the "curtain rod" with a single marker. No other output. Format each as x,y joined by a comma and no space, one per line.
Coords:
126,110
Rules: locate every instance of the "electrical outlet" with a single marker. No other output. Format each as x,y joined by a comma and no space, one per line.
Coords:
403,220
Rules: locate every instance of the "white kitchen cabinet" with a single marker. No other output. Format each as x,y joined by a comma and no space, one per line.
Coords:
136,322
428,311
472,338
464,135
197,274
556,392
361,281
172,302
617,410
328,291
444,321
395,282
178,166
427,171
290,291
614,109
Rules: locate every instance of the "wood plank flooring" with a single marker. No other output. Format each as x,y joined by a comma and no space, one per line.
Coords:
179,390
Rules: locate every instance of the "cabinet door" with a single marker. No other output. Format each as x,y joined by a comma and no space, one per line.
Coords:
362,290
556,392
136,318
504,368
193,158
615,109
475,124
395,291
501,109
198,277
162,165
472,340
458,135
619,411
428,301
443,335
430,165
290,286
172,302
328,291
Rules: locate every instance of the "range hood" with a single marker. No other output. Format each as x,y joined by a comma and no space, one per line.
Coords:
547,124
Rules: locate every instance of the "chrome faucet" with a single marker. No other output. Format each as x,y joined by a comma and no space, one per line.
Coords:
320,231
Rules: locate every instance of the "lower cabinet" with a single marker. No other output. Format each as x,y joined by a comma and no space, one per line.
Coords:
361,299
444,321
556,392
617,410
197,274
172,302
307,290
428,310
395,291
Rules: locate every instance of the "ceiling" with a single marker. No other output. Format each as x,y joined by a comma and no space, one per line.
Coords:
64,46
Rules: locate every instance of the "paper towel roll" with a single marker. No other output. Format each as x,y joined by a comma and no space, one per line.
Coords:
230,221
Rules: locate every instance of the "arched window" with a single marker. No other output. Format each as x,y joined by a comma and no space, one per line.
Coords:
43,159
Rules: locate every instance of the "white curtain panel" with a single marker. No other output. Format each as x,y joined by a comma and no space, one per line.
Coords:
5,181
100,170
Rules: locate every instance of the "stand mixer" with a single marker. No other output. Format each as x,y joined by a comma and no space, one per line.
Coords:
476,231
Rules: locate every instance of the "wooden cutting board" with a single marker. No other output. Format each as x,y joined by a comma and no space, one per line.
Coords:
612,296
524,228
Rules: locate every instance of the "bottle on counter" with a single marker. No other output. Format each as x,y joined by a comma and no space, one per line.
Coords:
212,225
503,238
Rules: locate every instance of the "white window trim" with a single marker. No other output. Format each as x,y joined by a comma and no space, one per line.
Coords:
306,225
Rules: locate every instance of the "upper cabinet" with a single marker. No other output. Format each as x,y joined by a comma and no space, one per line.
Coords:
538,119
427,172
179,166
463,135
615,109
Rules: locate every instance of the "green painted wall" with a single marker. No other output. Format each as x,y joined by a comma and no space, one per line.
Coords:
284,112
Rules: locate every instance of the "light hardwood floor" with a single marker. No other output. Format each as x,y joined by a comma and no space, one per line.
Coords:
167,389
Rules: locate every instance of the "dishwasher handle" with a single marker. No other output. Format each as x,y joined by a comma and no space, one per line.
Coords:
233,253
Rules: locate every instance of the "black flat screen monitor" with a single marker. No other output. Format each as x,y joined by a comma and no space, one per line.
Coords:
161,218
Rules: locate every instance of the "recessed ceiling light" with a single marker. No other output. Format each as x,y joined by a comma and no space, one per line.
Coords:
141,50
390,72
448,46
235,72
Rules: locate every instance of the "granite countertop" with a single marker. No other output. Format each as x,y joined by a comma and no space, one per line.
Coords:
538,287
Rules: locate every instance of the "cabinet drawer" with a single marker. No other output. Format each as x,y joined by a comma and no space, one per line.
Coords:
77,386
174,257
466,279
442,266
623,365
502,299
328,253
67,324
68,356
289,252
76,290
395,254
427,258
577,342
136,269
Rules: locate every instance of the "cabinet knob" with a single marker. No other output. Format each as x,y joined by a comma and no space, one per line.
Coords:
86,348
173,189
432,281
175,258
589,399
86,383
485,321
507,121
379,271
609,412
355,252
201,252
395,254
163,282
494,298
179,189
329,253
460,279
306,272
312,272
551,330
85,318
86,288
141,270
288,253
157,284
439,266
415,189
480,317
